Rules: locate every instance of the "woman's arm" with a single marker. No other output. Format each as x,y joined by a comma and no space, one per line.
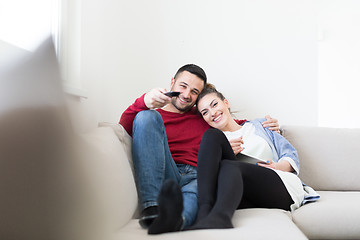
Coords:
281,146
288,157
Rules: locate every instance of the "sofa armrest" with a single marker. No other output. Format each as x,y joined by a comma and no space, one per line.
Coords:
124,138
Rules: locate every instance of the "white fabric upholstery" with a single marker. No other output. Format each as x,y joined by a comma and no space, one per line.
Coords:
335,216
329,158
249,224
124,139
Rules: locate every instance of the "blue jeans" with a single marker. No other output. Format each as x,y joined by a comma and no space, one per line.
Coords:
154,164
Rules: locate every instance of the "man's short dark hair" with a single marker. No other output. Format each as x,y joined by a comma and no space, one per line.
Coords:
194,69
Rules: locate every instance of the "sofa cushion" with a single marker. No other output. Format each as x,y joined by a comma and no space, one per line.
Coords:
335,216
328,159
249,224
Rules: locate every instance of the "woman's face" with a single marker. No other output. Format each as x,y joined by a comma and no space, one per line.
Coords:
215,111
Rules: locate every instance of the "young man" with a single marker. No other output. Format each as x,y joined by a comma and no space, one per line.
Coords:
166,135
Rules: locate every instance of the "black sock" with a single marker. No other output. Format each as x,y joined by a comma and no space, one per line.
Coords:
203,211
148,216
170,207
213,221
152,210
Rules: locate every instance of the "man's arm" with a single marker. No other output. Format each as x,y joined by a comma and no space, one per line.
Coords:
151,100
156,98
272,123
129,114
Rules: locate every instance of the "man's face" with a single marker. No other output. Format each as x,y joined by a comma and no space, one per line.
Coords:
189,85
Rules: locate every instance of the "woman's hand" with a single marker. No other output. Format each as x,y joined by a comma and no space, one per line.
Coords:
236,145
283,165
269,164
272,123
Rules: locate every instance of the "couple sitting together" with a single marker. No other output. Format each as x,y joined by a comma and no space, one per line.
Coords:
191,158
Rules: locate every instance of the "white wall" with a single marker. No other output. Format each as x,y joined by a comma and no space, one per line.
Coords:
339,63
261,54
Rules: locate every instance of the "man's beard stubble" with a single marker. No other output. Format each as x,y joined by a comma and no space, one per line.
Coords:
181,109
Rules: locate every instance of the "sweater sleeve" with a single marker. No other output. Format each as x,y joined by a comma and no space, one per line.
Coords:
285,150
240,122
129,114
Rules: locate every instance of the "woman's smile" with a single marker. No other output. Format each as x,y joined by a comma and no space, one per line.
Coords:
217,118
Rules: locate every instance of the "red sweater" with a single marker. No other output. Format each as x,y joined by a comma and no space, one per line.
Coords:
184,130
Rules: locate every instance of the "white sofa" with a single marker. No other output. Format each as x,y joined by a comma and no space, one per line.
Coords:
58,185
328,163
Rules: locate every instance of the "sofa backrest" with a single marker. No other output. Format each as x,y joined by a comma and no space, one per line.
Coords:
329,158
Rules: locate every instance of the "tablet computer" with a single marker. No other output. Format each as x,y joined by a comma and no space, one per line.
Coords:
249,159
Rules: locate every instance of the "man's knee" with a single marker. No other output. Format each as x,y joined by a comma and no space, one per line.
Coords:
147,119
147,116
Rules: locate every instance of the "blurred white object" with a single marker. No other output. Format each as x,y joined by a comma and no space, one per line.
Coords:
31,79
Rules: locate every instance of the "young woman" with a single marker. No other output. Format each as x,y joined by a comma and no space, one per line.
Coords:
226,182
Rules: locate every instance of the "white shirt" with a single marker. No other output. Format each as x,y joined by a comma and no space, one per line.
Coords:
257,147
254,145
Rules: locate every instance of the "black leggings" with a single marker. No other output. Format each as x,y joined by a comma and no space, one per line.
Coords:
226,184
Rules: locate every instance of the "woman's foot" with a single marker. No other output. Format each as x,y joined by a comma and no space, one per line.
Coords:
213,221
203,212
